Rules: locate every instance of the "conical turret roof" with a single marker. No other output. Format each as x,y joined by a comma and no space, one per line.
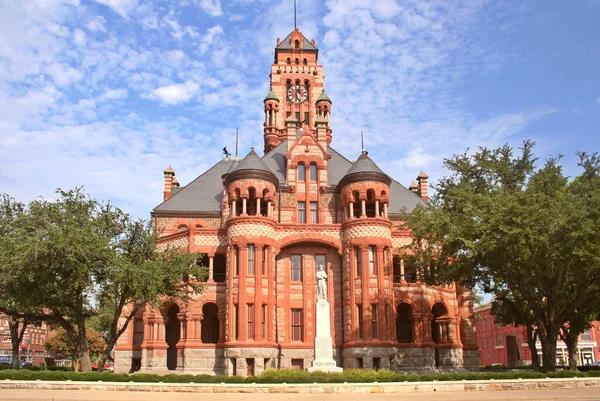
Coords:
251,166
271,96
323,98
364,169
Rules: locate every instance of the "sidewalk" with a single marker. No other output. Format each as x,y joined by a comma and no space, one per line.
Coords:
91,395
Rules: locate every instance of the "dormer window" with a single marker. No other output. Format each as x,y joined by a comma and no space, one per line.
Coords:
297,44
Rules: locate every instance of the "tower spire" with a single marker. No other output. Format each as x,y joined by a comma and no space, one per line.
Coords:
362,141
294,14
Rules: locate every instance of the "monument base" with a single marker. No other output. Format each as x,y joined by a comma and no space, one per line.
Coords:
323,361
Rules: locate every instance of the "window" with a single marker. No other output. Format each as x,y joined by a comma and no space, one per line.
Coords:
586,336
302,212
251,259
376,363
374,331
263,321
357,252
313,172
499,339
301,172
182,227
297,44
139,332
297,364
297,325
359,311
314,212
237,259
264,260
219,268
296,267
373,260
250,321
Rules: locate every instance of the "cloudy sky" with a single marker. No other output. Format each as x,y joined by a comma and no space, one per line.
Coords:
107,93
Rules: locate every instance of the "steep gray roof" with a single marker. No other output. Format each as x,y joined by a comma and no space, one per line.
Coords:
364,164
204,194
252,161
323,97
286,44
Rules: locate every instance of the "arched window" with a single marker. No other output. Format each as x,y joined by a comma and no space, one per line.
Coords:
297,44
370,203
251,203
264,203
301,172
289,60
182,227
297,61
210,324
238,203
313,172
357,205
404,323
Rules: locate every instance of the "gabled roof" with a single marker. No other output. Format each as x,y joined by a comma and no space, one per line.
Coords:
286,44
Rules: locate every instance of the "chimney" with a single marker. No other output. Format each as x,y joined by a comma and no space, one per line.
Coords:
169,177
414,188
278,42
422,186
313,42
175,183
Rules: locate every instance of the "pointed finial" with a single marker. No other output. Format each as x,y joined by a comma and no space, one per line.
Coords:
236,142
362,141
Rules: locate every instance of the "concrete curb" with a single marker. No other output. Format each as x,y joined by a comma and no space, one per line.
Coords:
314,388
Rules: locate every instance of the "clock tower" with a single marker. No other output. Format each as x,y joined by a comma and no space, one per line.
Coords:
297,98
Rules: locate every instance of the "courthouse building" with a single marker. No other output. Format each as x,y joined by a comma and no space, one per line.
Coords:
264,224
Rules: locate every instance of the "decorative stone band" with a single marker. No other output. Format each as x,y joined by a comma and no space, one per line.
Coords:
210,240
360,228
181,241
243,227
252,174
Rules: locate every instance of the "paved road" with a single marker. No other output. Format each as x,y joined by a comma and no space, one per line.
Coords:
72,395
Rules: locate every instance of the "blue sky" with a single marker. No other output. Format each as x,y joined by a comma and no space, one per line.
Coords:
108,93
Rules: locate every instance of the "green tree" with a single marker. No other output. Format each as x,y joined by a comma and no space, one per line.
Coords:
74,258
63,345
519,230
141,275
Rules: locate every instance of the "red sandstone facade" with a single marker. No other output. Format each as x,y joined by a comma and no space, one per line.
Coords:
264,224
507,345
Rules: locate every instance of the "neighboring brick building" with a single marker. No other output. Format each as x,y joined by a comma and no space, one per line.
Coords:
264,225
32,347
507,345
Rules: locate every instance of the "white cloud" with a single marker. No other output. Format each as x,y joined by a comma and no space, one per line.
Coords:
176,93
113,94
211,36
97,24
211,7
121,7
598,101
79,37
62,74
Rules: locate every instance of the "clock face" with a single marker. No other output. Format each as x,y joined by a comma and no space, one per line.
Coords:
297,94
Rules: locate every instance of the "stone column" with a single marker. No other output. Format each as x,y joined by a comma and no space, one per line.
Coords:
402,276
385,210
351,210
244,201
233,208
211,260
366,307
381,332
242,307
269,212
377,213
363,208
257,206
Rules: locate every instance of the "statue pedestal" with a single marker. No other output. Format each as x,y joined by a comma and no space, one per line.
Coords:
323,361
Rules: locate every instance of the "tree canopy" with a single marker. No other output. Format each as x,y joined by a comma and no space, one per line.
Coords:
67,260
524,233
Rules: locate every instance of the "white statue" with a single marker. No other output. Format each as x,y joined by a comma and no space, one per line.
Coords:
321,283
